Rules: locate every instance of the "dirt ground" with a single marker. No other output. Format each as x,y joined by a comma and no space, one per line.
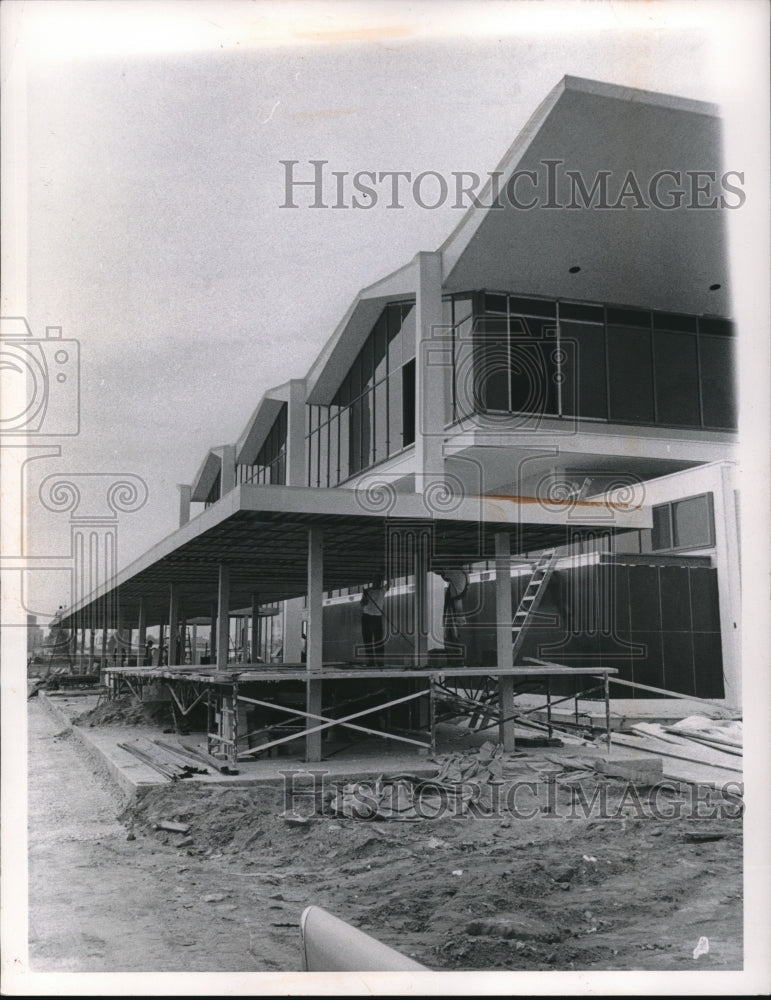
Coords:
555,887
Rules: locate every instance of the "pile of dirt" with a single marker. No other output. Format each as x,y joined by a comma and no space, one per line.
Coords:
127,711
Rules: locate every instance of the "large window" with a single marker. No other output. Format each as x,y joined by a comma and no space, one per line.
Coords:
570,359
270,463
684,524
372,415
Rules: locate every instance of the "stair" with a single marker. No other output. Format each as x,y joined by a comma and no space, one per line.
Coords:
531,599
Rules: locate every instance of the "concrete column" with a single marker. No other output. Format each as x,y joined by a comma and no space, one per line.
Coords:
195,657
227,469
315,635
504,645
161,630
296,471
103,660
294,612
254,631
141,632
223,617
91,649
173,623
422,590
727,560
185,492
430,367
213,635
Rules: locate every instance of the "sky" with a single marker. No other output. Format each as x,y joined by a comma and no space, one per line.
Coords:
155,234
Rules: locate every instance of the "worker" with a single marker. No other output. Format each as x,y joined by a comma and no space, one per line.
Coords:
372,618
454,612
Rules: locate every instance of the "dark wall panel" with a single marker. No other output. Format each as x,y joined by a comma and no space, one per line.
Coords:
708,664
644,598
705,610
678,662
675,599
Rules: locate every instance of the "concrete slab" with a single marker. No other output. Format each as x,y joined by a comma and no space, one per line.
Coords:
134,777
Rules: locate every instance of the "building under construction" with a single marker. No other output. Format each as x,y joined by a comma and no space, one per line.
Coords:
542,409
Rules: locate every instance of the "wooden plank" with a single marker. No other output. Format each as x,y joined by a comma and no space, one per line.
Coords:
695,750
651,745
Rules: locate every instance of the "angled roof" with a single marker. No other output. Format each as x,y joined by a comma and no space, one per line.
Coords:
635,254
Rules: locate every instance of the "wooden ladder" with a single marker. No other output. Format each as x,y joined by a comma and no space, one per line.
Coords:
531,599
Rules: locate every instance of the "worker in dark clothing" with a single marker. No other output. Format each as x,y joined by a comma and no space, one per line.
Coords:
372,618
454,611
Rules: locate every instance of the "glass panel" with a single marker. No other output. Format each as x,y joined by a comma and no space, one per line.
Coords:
314,460
662,528
463,366
630,373
583,369
367,429
354,436
718,385
533,346
462,308
395,442
496,303
532,307
366,357
344,443
581,313
334,457
693,525
491,364
674,321
355,377
324,455
408,331
380,341
677,379
381,422
629,317
718,327
408,403
395,337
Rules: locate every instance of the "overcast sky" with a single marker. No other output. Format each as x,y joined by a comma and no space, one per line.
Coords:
155,234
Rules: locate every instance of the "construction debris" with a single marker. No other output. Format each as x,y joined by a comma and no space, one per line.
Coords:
639,770
160,760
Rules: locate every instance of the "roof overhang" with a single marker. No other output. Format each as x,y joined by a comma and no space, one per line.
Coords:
635,254
345,343
260,423
261,534
206,476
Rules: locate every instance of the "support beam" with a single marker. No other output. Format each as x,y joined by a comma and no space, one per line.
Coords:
141,632
315,636
213,635
296,469
504,648
430,372
422,611
185,493
223,616
254,631
173,623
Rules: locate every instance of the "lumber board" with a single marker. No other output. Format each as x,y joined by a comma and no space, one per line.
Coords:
690,748
652,745
722,747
